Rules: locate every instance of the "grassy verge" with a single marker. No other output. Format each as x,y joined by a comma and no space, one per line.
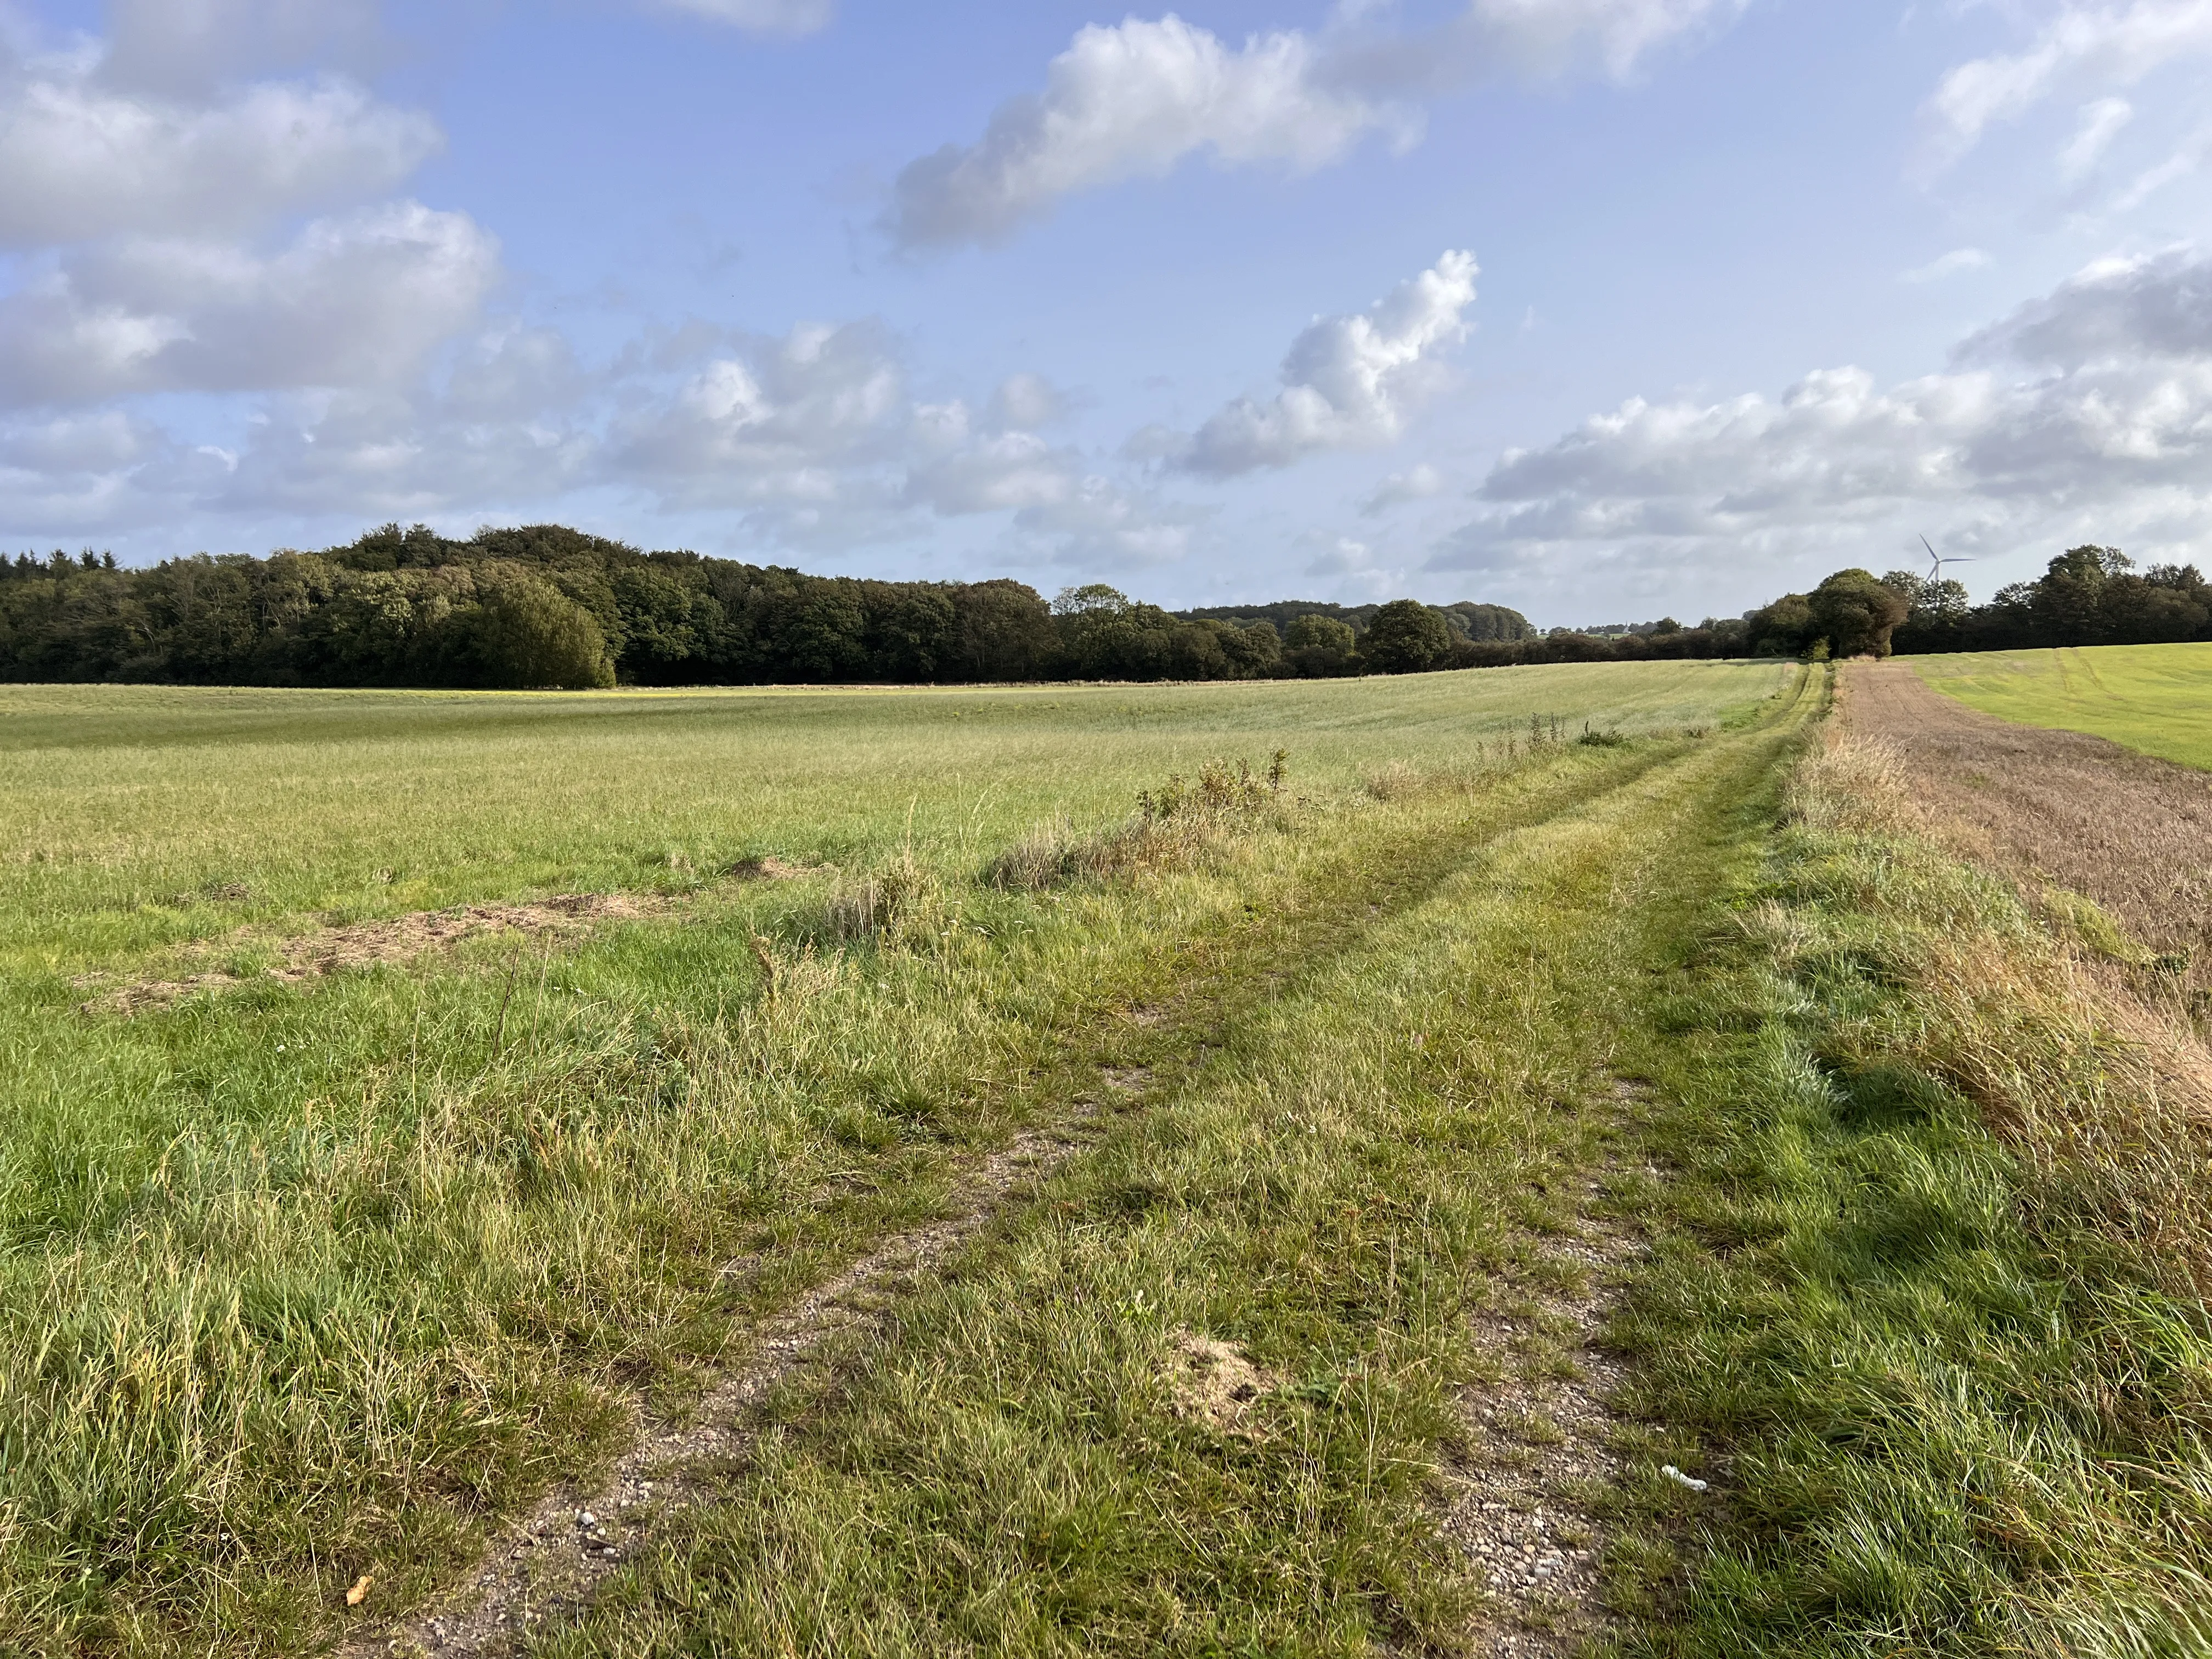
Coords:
1932,1282
1025,1468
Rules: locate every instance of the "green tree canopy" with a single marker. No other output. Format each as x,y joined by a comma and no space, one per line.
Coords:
529,635
1313,632
1856,614
1784,628
1406,637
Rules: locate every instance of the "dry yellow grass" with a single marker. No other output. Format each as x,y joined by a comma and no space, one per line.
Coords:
2067,1038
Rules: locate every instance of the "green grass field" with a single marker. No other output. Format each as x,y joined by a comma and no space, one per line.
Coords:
351,1268
312,1286
2155,698
122,805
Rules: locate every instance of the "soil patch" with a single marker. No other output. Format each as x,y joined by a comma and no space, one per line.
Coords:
2131,832
400,939
1212,1381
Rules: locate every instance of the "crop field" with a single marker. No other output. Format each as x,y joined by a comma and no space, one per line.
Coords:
1505,1162
2153,698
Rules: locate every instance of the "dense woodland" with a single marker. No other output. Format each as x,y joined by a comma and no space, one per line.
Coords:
1466,619
547,606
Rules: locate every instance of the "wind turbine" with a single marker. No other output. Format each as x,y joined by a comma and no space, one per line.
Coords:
1937,560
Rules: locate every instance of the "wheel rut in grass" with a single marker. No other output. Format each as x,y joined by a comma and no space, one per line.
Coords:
551,1560
1545,1442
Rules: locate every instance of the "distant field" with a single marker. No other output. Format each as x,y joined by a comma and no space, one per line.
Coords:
2154,698
123,808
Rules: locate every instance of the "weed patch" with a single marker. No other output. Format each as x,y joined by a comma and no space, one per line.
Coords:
1174,825
901,903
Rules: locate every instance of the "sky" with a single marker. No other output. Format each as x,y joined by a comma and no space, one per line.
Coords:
1604,309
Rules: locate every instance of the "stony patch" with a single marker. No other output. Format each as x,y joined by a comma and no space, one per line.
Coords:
1540,1441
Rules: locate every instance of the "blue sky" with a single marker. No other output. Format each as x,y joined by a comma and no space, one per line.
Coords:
1602,308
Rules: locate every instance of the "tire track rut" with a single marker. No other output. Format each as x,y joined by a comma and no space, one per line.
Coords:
551,1560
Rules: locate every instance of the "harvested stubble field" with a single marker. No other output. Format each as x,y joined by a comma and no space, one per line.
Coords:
2060,808
829,1173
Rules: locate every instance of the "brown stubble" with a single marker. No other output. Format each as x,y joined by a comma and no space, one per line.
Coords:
2053,808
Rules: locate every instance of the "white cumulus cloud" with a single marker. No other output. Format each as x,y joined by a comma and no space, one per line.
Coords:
772,419
2088,413
2096,45
1947,264
957,470
1417,483
1548,35
1534,39
355,300
1127,100
79,161
1138,98
2100,123
194,47
1348,382
2117,313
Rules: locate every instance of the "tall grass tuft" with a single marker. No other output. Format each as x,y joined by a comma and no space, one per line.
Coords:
1174,823
901,902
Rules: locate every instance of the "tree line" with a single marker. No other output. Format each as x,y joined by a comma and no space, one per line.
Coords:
544,605
2088,595
547,606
